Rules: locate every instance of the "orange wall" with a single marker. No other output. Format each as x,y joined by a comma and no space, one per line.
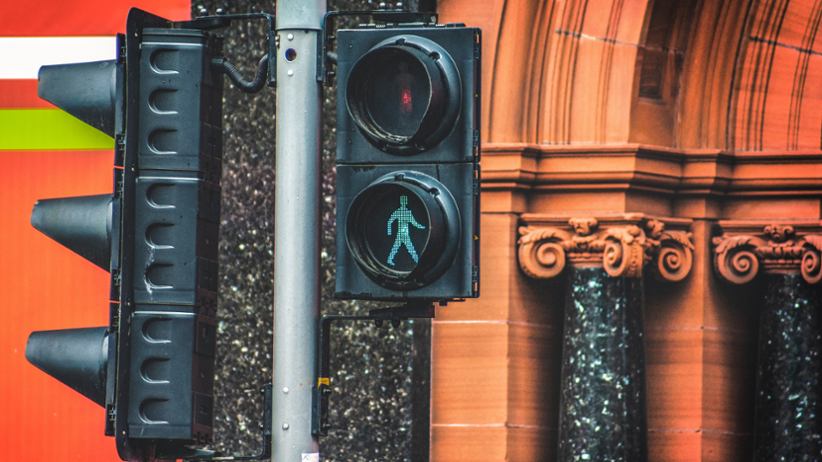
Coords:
46,286
42,284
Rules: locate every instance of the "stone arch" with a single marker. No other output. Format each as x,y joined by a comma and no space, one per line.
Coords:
559,73
777,101
586,80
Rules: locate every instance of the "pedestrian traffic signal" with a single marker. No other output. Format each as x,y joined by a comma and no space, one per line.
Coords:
152,366
408,162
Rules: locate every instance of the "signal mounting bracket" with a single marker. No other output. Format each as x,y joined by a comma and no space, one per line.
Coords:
385,15
268,63
322,389
195,454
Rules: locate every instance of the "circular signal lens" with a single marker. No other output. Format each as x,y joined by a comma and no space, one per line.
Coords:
398,93
404,94
398,241
403,230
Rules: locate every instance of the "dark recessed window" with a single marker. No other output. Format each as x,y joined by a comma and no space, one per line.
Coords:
658,51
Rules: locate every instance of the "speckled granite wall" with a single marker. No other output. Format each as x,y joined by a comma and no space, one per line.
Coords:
789,372
376,371
602,403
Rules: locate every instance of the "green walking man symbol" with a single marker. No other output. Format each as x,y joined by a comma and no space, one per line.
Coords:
403,216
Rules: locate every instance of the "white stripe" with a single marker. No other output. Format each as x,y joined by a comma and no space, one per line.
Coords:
21,57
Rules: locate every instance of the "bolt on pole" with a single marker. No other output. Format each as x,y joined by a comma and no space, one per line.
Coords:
297,229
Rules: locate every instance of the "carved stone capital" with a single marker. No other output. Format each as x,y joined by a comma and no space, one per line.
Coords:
622,244
743,249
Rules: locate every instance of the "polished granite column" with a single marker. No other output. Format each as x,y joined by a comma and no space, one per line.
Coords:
789,372
602,414
784,260
602,403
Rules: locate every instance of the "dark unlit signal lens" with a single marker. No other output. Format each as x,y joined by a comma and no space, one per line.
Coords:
404,95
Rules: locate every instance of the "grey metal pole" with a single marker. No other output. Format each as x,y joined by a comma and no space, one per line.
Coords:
297,230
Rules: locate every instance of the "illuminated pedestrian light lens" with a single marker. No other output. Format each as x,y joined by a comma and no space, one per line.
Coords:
403,230
397,230
404,217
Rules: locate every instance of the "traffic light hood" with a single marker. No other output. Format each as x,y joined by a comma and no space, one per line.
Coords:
76,357
87,91
83,224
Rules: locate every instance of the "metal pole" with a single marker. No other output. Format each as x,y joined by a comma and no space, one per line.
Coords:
297,230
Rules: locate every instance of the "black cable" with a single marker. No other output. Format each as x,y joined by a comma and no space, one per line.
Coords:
234,74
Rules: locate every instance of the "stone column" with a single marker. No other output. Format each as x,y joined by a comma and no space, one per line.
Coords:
784,260
602,404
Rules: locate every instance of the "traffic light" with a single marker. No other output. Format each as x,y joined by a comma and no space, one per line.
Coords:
408,162
152,366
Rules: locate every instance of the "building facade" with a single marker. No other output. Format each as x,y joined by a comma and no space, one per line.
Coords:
651,236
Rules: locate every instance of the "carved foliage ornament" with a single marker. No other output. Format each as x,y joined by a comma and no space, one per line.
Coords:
776,249
622,250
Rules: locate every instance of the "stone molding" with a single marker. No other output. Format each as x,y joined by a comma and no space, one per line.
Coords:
700,172
622,244
744,249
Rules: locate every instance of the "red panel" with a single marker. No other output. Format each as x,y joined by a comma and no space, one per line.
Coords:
80,17
20,94
46,286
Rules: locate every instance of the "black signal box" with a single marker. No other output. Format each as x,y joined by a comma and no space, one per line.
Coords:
408,162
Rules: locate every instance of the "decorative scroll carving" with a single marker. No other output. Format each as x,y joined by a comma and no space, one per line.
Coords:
624,245
542,251
743,249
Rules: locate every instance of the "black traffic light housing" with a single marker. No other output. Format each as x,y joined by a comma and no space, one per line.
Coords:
171,181
408,162
152,366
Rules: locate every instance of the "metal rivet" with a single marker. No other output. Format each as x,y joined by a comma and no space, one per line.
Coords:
285,389
290,36
290,72
285,426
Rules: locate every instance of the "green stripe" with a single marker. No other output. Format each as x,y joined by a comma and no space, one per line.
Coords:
48,129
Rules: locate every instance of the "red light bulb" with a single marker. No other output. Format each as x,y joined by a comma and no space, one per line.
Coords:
406,102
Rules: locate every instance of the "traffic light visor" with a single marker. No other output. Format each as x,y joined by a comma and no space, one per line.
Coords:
76,357
87,91
83,224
